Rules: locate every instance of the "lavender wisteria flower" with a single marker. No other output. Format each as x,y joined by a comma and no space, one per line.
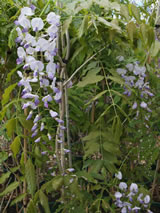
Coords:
37,140
118,175
49,136
47,99
42,127
37,24
70,169
29,115
133,188
134,76
37,118
53,113
147,199
123,186
130,199
37,48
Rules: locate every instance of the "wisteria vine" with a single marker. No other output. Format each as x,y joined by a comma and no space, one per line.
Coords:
37,49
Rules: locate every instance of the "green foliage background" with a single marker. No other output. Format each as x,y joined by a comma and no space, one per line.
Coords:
105,136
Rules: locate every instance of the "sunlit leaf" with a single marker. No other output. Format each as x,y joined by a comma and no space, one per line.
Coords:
10,188
15,146
30,177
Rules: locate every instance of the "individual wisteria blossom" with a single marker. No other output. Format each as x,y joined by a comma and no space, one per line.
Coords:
27,11
118,195
44,152
143,104
146,199
133,188
120,58
136,209
53,113
118,175
37,24
47,99
123,186
37,118
53,19
134,105
29,115
49,136
37,140
34,127
42,127
66,150
34,133
70,169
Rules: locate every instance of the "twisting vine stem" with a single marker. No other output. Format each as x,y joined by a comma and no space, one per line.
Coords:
25,161
66,100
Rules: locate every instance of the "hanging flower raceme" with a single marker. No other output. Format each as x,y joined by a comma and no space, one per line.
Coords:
126,197
36,52
134,76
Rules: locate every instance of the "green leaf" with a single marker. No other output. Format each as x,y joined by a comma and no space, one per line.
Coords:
7,92
18,199
115,6
83,27
96,166
124,12
103,3
31,208
22,163
76,53
143,29
27,124
92,135
135,12
66,25
30,177
155,48
110,147
151,36
117,80
44,201
14,169
57,183
15,146
12,37
131,29
3,156
91,148
10,188
111,25
11,73
86,176
4,177
117,129
4,109
11,126
90,78
97,96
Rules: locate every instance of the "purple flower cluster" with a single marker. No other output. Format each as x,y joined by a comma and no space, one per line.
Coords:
36,52
129,199
134,76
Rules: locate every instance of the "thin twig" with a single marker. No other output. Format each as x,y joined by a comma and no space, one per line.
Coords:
66,100
8,202
25,161
79,68
155,176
